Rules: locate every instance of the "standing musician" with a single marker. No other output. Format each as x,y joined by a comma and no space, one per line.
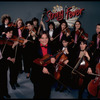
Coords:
6,21
60,32
8,60
36,24
10,50
21,31
32,36
95,60
77,34
95,49
82,57
41,75
51,30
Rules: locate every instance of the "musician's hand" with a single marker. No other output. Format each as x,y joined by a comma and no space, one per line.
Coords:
25,41
11,59
15,43
67,34
89,71
45,70
87,55
53,60
3,33
85,38
66,51
66,61
51,39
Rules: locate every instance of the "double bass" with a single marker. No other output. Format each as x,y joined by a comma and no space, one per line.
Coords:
94,84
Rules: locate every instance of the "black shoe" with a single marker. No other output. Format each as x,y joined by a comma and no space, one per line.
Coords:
13,87
21,71
57,89
62,89
17,85
8,96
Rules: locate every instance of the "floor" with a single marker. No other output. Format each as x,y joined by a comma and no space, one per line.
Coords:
25,91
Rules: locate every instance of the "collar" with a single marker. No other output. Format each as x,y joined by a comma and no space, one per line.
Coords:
43,45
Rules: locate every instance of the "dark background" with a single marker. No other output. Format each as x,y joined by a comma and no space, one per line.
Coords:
26,10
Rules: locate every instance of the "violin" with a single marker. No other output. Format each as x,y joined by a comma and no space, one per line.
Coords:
20,40
33,33
45,59
81,34
23,27
6,41
11,25
59,65
66,30
94,84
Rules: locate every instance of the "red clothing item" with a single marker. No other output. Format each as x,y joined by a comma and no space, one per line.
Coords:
44,49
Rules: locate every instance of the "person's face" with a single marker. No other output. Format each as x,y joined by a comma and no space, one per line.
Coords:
50,26
97,28
82,46
63,26
6,21
19,23
35,23
9,34
29,26
65,43
44,39
77,25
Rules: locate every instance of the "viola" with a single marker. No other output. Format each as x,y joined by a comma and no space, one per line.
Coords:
94,84
59,65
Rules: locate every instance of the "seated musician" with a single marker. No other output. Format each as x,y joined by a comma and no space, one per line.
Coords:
85,56
65,72
41,75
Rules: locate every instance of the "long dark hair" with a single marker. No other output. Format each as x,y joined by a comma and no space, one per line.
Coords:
52,25
79,23
61,22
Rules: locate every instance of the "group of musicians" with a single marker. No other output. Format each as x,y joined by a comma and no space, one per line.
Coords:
53,55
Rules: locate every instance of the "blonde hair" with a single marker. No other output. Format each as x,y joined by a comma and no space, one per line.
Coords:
19,19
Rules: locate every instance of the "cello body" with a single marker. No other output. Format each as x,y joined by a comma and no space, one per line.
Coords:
94,85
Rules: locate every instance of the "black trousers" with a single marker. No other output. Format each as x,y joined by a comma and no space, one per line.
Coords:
13,72
3,78
42,82
42,90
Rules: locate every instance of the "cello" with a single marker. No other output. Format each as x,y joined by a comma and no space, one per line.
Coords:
59,65
94,85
